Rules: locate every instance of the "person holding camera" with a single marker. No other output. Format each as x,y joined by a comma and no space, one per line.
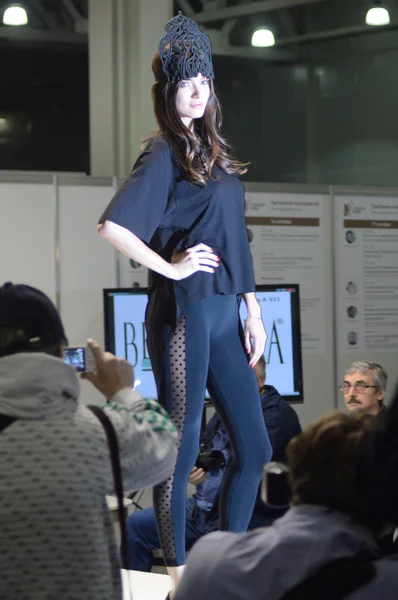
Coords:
56,532
325,546
201,511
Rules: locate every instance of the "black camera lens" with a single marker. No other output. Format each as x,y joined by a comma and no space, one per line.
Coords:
275,486
208,460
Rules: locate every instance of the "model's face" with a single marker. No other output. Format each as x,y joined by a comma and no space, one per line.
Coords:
192,97
357,397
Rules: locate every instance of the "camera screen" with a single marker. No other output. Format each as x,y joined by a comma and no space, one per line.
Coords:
76,358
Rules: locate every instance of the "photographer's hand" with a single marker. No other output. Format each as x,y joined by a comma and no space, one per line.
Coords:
197,476
112,374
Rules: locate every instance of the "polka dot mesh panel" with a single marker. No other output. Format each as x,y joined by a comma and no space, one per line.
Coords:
178,399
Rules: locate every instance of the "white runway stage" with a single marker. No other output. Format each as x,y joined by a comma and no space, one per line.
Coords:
145,586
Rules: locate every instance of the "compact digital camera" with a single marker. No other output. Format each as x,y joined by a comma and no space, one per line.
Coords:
80,358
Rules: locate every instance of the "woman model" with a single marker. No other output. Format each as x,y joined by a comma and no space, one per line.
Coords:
181,214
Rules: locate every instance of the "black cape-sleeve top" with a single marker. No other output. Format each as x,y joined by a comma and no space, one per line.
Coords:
168,212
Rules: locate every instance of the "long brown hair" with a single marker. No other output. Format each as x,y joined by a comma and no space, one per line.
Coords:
195,152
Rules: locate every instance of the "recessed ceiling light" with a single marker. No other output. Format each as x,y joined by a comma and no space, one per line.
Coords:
263,38
15,15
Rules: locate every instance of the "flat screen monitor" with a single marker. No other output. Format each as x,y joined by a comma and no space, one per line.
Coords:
125,336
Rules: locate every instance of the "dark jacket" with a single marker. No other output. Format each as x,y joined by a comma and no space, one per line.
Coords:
281,421
282,425
379,464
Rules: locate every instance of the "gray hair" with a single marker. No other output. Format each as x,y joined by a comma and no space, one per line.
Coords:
378,373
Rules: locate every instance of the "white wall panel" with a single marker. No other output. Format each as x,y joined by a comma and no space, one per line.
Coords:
27,235
87,265
291,242
366,259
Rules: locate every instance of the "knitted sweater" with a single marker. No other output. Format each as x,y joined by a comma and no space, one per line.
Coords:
56,532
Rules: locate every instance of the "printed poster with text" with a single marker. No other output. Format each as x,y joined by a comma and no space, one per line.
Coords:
287,245
367,273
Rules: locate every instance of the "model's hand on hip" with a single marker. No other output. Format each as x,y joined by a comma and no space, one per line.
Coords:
197,258
255,338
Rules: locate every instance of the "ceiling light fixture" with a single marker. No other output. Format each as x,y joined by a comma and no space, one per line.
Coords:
15,15
263,38
377,15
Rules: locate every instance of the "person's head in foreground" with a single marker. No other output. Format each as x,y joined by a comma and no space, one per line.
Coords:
29,322
332,522
185,102
324,465
364,387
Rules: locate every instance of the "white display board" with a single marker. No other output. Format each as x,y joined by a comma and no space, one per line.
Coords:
131,273
301,235
290,240
366,257
87,265
27,234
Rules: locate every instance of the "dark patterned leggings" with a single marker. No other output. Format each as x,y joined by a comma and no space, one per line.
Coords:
207,351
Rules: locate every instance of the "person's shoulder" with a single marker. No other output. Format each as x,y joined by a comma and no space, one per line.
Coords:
221,554
214,539
204,557
388,564
287,408
384,584
210,549
270,397
158,147
156,155
221,546
215,555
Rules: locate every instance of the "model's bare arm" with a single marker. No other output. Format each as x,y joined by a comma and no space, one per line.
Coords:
182,265
131,245
253,307
255,334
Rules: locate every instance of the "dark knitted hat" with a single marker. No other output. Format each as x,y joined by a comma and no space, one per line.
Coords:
28,309
185,51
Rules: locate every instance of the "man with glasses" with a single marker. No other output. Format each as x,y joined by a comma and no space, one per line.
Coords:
364,387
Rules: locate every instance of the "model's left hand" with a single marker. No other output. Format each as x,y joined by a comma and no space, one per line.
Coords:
255,338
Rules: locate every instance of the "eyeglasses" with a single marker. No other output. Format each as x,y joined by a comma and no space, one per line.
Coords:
358,386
